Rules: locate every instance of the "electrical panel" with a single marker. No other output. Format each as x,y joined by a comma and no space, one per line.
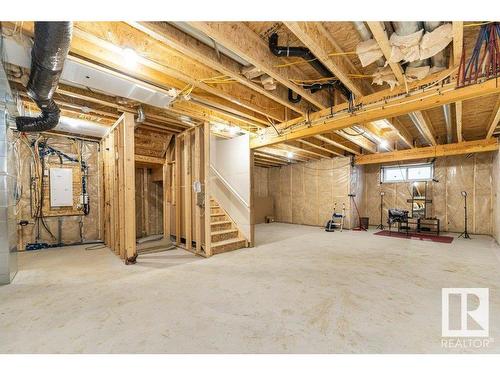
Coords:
61,187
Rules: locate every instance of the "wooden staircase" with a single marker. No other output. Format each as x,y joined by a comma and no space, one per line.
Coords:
225,235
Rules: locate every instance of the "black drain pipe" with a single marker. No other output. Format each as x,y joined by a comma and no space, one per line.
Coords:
50,48
306,54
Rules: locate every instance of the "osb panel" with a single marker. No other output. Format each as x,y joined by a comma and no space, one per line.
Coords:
347,38
150,143
438,123
298,195
475,116
286,194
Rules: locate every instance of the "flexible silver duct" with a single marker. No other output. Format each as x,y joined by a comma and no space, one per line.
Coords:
50,48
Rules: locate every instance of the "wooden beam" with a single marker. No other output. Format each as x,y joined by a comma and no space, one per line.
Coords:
204,54
206,166
312,34
425,126
178,190
198,139
167,195
359,140
149,160
163,68
108,54
188,183
397,105
145,202
324,149
458,41
380,35
450,149
403,134
458,118
325,139
494,119
129,187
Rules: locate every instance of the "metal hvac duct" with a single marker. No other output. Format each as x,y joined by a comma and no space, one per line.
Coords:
50,48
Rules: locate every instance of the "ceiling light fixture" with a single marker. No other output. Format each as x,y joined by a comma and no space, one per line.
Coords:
384,144
289,154
130,57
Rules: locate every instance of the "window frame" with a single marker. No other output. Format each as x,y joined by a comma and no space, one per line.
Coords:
406,167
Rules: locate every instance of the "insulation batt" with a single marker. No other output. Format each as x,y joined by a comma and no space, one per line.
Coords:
417,73
385,75
368,52
436,41
405,48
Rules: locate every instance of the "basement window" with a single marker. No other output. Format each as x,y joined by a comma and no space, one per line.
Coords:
410,172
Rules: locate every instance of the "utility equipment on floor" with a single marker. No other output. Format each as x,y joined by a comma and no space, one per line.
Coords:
337,220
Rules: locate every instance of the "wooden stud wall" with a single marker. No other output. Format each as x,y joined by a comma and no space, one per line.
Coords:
184,210
119,188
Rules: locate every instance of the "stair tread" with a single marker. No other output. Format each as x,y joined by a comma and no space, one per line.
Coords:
227,242
224,231
221,214
220,222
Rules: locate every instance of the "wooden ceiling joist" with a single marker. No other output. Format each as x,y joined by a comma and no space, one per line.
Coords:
493,120
380,35
202,53
311,143
240,39
450,149
313,35
458,42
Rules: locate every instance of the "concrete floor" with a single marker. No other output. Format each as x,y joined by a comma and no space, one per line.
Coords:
301,290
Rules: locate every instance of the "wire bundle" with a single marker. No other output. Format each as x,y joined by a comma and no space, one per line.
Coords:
485,59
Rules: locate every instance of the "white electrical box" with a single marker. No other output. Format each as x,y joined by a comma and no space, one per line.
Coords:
61,187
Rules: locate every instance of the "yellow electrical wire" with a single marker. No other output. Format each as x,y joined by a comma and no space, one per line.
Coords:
477,24
331,54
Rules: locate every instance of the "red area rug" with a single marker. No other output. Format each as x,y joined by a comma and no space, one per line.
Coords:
416,236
